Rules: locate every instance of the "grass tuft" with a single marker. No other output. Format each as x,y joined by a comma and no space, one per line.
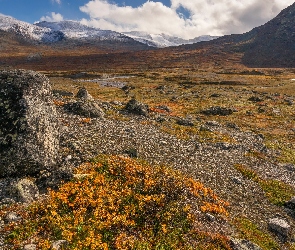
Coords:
277,192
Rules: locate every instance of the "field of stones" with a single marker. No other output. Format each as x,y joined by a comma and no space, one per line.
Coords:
199,158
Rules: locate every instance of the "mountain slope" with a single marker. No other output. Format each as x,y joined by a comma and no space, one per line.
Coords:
76,30
164,40
273,44
29,31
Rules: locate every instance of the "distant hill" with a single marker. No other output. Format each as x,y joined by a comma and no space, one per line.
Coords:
83,47
269,45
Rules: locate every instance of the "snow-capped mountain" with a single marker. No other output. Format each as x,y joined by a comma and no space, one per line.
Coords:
76,30
51,32
29,31
164,40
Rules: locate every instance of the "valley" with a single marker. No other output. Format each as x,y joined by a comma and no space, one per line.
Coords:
181,147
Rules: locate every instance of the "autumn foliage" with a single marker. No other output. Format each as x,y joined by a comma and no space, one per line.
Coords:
116,202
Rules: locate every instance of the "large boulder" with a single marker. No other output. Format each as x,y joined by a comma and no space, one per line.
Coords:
28,123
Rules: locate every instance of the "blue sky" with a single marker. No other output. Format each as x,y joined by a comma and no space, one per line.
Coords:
32,10
182,18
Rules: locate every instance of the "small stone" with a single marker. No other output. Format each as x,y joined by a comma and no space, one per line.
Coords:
289,166
205,128
255,99
83,94
164,108
238,244
131,152
280,227
30,247
218,111
26,190
236,180
215,95
212,124
59,245
136,107
85,108
210,217
289,102
232,125
185,122
7,201
116,103
1,222
291,203
68,158
12,217
224,145
81,176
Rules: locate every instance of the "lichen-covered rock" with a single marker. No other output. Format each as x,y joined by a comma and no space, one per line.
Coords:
28,123
84,94
85,108
237,244
218,111
280,227
60,244
26,190
136,107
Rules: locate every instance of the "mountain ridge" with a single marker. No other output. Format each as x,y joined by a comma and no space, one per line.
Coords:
53,32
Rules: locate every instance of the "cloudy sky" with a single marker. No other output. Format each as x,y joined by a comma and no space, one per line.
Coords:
183,18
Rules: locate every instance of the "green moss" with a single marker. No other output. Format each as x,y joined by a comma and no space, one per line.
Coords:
277,192
250,231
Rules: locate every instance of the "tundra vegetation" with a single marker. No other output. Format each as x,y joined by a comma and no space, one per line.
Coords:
117,202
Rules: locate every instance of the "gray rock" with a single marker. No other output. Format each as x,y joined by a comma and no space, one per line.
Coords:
57,92
224,145
279,227
164,108
83,94
7,201
136,107
210,217
12,217
185,122
59,245
238,244
29,134
1,222
85,108
205,128
232,125
218,111
255,99
30,247
289,102
26,190
212,123
236,180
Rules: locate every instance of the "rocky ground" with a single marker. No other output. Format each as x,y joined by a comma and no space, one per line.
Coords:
140,135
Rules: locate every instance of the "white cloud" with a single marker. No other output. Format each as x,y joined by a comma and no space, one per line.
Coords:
213,17
56,1
54,17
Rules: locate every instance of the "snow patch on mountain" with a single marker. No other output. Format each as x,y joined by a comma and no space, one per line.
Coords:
76,30
28,30
50,32
164,40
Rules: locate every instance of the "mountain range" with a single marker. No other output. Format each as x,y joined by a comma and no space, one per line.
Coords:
52,32
71,45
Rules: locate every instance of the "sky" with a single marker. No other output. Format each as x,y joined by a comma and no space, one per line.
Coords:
182,18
